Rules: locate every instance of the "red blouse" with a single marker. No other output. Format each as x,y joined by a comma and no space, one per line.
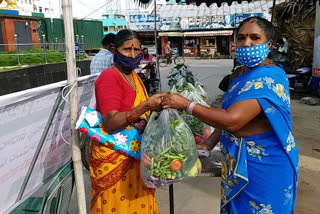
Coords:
113,92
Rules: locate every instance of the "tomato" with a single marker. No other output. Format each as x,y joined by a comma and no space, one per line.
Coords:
175,165
206,133
145,160
197,139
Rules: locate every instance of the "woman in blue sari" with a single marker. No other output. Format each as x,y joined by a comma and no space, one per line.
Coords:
259,152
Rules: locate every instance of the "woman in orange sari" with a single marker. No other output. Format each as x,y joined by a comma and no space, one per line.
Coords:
122,100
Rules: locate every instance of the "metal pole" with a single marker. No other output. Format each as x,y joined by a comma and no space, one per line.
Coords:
273,9
82,45
45,48
74,106
171,199
315,81
77,41
155,40
17,48
56,44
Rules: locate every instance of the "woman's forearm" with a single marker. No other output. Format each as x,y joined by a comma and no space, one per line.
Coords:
116,120
218,118
215,137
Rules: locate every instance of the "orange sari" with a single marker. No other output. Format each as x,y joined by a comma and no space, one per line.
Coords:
116,183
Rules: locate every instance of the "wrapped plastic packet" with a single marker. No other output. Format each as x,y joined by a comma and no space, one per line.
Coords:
195,96
168,150
201,91
199,129
127,141
173,72
180,83
179,76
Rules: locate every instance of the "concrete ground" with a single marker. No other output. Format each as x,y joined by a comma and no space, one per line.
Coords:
194,196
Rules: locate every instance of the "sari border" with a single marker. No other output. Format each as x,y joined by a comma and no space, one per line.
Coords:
115,175
246,179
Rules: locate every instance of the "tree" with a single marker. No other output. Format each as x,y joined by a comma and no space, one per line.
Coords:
295,20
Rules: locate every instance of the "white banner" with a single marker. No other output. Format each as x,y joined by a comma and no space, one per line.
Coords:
24,118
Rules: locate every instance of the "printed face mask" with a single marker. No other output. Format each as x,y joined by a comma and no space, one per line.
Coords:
127,63
252,56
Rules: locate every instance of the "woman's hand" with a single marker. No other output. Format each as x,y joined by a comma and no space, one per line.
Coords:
154,102
175,101
206,144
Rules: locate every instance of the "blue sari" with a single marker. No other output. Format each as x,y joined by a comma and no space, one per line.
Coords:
260,172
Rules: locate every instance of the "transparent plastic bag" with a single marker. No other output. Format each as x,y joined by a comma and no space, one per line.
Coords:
173,89
173,72
199,129
168,150
195,96
211,162
201,91
181,83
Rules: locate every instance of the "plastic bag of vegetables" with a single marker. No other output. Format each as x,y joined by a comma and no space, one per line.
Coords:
199,129
168,150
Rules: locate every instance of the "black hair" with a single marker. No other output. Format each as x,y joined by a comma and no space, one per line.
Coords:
108,39
144,49
125,35
264,24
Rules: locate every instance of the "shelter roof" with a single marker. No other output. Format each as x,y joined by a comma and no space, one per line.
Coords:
192,10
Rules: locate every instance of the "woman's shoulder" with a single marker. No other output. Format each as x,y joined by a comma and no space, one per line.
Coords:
109,74
272,71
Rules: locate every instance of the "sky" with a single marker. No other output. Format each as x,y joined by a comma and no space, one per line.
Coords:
83,8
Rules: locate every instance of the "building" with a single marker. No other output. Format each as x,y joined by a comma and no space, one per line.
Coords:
20,29
24,7
113,23
49,8
44,8
191,28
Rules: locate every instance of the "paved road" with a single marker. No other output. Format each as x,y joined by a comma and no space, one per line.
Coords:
202,194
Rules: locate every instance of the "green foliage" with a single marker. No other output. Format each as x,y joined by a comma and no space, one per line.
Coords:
36,57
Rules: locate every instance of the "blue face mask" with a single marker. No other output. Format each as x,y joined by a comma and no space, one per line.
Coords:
252,56
127,63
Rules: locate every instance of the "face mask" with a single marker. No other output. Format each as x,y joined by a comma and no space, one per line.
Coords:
127,63
252,56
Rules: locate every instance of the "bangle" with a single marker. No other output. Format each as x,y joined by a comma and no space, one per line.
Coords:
188,105
129,117
191,107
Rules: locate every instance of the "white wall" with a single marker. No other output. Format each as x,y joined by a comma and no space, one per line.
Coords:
25,7
50,8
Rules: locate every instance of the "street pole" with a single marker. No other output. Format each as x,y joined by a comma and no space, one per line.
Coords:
155,41
273,10
73,99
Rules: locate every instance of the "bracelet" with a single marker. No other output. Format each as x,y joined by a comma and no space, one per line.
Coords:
191,107
188,105
129,117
